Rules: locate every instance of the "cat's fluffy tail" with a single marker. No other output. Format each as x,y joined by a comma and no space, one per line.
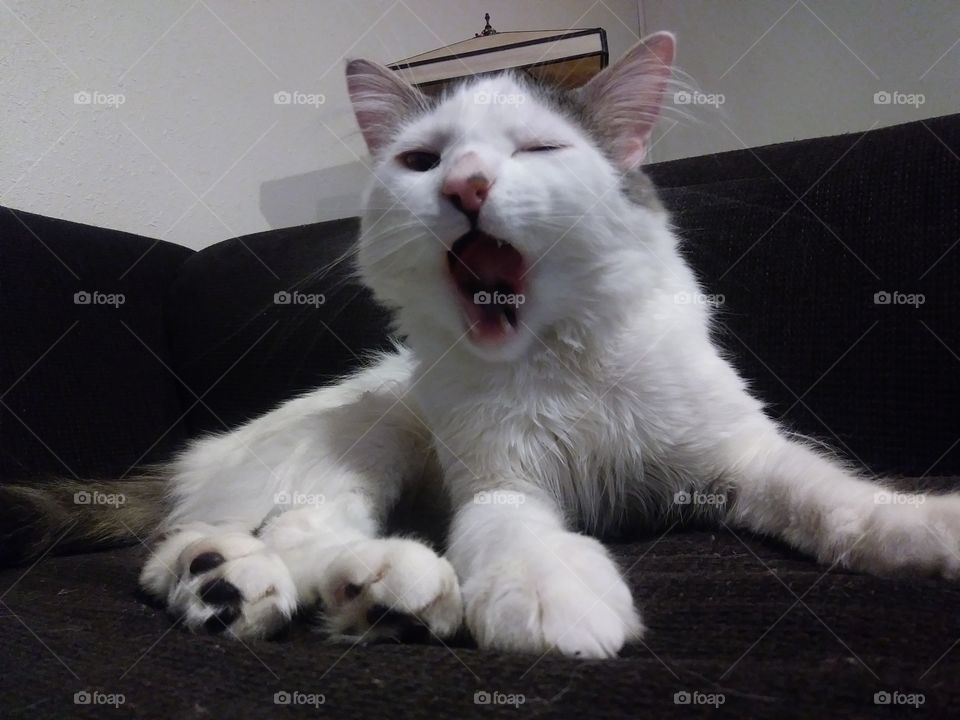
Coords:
63,515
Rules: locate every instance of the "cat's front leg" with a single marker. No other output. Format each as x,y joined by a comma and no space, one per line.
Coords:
531,585
786,489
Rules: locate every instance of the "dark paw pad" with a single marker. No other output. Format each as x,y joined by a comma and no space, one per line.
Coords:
221,621
220,592
205,561
400,626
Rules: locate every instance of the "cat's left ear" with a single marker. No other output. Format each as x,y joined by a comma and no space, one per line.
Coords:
382,101
625,98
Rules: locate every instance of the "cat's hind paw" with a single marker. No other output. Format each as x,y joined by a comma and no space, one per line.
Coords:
392,588
221,582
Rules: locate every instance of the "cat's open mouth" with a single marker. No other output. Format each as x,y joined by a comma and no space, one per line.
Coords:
488,274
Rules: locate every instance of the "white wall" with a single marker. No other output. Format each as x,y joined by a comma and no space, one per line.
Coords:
198,152
798,69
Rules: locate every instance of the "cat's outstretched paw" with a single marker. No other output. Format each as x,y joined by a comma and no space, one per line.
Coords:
391,588
559,592
221,581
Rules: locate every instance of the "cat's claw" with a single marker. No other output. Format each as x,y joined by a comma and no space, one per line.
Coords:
558,593
227,581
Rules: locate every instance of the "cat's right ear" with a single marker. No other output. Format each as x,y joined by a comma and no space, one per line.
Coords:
625,98
381,101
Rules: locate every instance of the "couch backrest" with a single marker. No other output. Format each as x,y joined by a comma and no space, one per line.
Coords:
84,390
262,318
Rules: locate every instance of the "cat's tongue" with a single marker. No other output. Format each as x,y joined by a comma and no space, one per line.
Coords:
488,274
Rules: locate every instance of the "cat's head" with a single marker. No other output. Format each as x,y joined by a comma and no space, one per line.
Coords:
503,210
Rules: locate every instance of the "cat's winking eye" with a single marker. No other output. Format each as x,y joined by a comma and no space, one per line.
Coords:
419,160
541,148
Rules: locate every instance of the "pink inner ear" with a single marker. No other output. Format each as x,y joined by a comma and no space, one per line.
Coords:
380,100
634,151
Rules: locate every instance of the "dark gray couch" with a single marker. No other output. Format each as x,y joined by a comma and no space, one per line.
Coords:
798,238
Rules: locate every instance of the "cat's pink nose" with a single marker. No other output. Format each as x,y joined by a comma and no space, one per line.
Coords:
468,183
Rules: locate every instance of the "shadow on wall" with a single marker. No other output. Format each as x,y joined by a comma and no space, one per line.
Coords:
327,194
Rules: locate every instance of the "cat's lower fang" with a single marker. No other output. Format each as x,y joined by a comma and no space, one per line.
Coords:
491,330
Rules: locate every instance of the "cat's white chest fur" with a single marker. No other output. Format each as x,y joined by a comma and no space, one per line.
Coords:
564,424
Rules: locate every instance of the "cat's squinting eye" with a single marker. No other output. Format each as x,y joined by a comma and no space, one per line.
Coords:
419,160
541,148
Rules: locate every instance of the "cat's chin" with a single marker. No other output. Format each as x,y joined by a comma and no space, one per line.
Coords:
505,350
488,281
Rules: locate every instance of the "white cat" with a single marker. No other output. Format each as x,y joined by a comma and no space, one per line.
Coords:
551,381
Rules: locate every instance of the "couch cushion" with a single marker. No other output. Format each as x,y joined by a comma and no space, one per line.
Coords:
82,378
775,633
